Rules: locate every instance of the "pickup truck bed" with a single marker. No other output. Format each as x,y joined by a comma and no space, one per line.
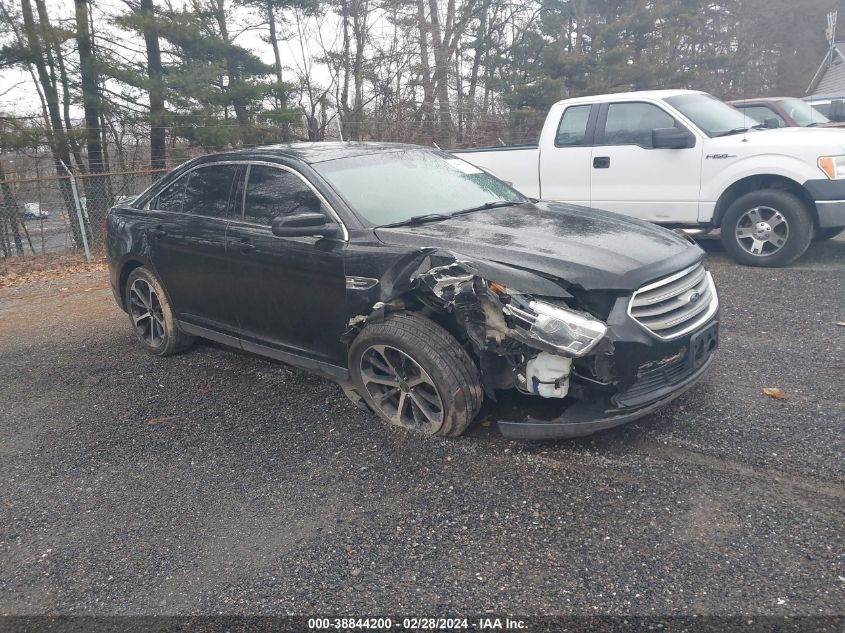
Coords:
521,163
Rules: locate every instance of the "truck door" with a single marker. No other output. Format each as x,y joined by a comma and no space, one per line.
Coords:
565,170
629,175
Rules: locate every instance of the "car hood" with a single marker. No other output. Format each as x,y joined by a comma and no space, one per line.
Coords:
781,140
575,245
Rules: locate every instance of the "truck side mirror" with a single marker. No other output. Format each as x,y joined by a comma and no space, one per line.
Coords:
671,138
837,110
771,123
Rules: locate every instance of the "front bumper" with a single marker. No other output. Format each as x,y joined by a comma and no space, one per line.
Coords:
829,196
585,418
649,373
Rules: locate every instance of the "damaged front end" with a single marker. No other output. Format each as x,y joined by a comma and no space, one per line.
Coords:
548,362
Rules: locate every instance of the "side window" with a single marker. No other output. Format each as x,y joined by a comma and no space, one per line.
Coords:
209,189
573,126
171,197
632,123
271,192
761,113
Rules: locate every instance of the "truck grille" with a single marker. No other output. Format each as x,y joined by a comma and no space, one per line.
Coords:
676,304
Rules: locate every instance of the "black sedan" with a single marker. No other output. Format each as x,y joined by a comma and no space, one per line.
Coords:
420,283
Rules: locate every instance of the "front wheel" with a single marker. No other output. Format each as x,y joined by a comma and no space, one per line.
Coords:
768,227
416,375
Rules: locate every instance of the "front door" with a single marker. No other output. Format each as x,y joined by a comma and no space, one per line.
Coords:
289,293
187,233
630,176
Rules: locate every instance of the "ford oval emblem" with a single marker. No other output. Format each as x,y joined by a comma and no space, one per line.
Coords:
694,296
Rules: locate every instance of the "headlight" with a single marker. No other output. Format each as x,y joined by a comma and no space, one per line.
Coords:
570,333
833,166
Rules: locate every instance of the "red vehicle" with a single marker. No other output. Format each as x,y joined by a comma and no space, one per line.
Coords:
784,112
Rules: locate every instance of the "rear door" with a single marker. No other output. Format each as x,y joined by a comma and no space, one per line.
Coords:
289,292
565,170
187,233
630,176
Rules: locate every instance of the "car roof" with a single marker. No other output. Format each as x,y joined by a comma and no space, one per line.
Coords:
758,100
824,97
311,152
628,96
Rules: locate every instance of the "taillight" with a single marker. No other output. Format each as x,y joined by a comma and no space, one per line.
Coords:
106,223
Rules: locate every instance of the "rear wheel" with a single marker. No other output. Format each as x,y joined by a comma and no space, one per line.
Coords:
151,315
416,375
768,227
828,234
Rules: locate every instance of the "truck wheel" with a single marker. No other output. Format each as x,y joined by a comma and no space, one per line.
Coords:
151,315
414,374
827,234
768,227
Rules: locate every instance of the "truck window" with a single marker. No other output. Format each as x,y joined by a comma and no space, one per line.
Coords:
573,126
632,123
761,113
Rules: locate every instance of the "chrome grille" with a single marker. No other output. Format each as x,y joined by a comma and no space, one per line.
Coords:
676,304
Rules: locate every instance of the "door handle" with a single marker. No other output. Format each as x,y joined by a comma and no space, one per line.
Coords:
244,245
601,162
158,232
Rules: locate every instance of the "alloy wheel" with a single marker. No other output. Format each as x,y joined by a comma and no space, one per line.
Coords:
762,231
401,389
146,312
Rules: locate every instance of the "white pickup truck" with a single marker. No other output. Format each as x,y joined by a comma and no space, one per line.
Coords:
684,159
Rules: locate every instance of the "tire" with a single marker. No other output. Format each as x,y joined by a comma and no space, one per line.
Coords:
155,328
411,361
827,234
778,216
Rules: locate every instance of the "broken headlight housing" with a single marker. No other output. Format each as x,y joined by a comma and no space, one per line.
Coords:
568,332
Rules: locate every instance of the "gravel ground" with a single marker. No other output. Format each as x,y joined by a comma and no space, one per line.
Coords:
214,482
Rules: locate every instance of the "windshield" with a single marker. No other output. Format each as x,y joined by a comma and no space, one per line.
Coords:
712,116
803,113
396,186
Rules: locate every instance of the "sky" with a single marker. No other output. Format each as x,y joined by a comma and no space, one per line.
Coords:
18,96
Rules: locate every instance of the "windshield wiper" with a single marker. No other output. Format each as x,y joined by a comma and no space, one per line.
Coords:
418,219
736,130
740,130
436,217
487,205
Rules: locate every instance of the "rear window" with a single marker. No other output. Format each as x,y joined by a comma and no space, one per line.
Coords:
171,197
572,129
208,190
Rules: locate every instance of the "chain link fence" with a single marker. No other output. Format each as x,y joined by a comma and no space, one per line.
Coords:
56,213
45,209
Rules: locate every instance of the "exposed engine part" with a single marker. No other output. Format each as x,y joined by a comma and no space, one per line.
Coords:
520,342
443,280
546,375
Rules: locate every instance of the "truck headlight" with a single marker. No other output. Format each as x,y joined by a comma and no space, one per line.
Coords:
570,333
833,166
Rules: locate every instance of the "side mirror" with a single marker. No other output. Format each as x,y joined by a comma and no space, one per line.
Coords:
837,110
303,224
671,138
771,123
